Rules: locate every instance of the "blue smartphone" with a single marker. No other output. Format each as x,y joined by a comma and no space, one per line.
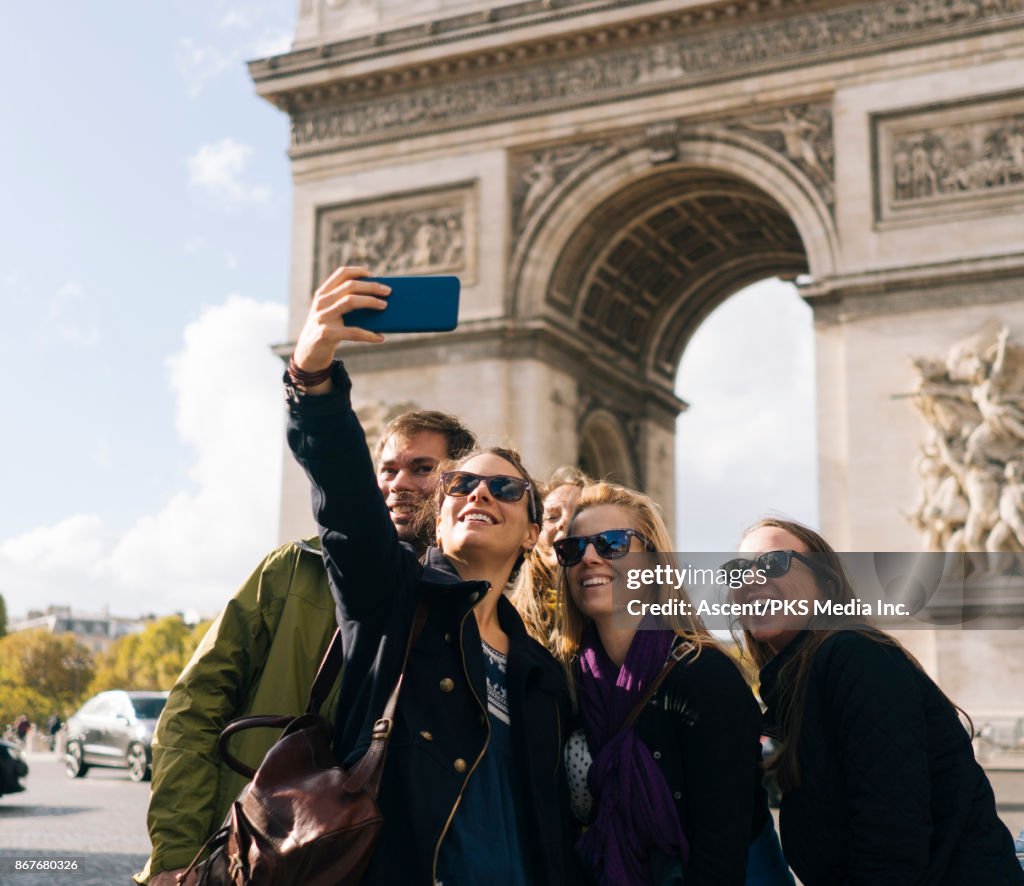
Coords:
416,304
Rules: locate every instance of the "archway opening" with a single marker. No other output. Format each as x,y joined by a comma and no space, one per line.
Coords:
746,447
642,271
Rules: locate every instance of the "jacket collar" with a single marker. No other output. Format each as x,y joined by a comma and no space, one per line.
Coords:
439,572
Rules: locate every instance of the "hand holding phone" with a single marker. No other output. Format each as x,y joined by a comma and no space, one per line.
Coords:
416,304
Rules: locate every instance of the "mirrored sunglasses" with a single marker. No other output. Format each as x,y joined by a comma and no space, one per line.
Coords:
610,544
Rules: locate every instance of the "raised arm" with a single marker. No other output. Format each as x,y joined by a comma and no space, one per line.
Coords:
364,558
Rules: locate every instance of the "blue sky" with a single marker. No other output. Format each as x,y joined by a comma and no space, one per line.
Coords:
143,185
144,257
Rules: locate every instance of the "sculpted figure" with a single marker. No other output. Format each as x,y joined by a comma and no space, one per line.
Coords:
798,137
1007,538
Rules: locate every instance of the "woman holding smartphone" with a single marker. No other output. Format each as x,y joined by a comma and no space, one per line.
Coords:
473,790
878,778
675,796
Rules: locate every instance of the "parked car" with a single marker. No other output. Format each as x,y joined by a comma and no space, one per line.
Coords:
12,768
114,729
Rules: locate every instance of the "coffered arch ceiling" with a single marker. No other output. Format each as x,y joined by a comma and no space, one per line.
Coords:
648,265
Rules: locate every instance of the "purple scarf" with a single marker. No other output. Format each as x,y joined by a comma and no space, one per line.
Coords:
635,809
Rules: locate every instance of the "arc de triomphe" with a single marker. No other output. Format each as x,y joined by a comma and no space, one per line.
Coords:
603,173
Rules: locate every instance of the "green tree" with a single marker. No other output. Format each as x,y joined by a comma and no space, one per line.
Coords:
152,659
3,616
41,673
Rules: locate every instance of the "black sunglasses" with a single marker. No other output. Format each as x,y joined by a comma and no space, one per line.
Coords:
462,483
776,563
610,544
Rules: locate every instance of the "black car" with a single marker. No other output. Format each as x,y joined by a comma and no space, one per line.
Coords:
114,728
12,768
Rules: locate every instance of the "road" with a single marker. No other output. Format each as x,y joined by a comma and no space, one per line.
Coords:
99,822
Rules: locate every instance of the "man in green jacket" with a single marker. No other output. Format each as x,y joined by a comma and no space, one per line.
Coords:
261,654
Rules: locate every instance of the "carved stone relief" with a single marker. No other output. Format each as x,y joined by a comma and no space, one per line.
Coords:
803,134
972,465
616,64
799,135
962,157
422,233
538,174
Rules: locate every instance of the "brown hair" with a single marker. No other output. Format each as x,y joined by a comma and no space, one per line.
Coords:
458,437
650,524
834,584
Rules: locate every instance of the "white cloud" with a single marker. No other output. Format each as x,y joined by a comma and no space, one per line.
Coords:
218,170
235,18
270,42
747,444
194,245
194,551
198,65
69,318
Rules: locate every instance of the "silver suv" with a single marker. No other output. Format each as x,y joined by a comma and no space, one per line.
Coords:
114,728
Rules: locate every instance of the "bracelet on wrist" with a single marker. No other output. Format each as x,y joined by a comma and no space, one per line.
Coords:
305,379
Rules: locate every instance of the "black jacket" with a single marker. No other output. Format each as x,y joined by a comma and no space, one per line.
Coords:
889,790
441,726
703,728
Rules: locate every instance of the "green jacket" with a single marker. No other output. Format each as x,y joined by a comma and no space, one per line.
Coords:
259,657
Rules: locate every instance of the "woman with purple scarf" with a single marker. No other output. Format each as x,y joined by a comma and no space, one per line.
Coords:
670,790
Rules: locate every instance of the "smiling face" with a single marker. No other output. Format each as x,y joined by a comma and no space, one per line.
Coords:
558,507
797,586
478,527
406,478
592,579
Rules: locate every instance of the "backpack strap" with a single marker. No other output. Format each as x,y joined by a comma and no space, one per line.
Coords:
678,652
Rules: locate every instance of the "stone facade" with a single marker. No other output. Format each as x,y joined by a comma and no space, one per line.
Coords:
603,174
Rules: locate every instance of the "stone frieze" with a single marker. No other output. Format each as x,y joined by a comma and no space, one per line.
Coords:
616,62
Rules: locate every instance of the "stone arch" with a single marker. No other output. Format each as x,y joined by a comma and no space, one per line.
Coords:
630,255
605,452
572,211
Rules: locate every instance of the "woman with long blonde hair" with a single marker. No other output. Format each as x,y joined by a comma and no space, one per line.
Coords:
676,795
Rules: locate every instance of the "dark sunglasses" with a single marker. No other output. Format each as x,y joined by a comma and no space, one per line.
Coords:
610,544
776,563
461,483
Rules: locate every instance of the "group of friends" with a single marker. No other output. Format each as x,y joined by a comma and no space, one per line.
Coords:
528,747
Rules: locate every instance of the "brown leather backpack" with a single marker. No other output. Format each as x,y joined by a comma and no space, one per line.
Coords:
303,819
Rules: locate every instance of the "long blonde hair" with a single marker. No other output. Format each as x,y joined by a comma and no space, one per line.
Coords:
649,523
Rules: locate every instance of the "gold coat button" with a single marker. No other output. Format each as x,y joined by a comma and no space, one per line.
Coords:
426,736
460,765
448,638
447,684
